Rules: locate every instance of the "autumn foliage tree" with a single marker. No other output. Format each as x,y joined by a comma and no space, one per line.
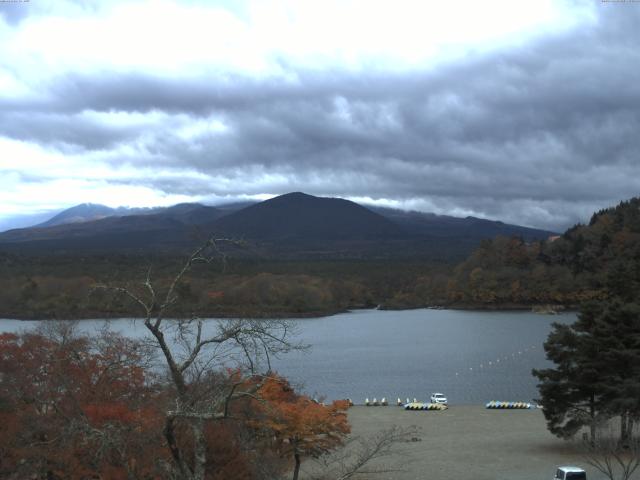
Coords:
78,407
301,426
75,407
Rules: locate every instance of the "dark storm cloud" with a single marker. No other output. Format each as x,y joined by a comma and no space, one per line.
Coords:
64,131
542,134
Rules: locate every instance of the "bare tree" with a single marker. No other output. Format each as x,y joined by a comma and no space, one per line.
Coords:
195,352
615,459
361,456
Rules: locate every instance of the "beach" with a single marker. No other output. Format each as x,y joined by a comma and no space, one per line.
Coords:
470,442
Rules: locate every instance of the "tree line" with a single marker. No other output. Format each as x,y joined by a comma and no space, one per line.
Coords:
48,287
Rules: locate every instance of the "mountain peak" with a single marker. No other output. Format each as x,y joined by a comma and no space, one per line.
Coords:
80,213
296,194
302,217
293,196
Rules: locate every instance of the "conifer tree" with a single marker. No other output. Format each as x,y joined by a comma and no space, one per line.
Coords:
570,393
597,372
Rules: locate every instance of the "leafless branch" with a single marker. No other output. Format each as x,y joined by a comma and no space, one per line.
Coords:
615,460
361,454
202,394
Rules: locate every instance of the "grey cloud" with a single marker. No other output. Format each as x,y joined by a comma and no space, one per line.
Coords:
65,131
14,12
541,134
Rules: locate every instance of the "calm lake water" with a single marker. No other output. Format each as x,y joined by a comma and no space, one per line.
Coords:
472,357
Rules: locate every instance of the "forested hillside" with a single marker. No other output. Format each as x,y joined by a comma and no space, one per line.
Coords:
61,287
501,273
576,266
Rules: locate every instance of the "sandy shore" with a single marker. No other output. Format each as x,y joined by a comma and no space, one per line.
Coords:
471,442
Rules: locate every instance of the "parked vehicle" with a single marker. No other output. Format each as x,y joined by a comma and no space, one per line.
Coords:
570,473
438,398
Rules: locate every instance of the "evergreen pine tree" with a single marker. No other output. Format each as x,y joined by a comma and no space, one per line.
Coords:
570,393
597,372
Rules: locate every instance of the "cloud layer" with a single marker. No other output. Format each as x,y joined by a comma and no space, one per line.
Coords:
539,128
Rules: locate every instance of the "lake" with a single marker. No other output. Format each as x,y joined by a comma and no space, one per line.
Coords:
470,356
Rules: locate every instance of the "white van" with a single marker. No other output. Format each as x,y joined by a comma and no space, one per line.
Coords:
570,473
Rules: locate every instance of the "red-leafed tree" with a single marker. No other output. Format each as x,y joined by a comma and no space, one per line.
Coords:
301,426
73,407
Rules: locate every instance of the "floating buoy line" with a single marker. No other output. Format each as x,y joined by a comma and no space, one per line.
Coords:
501,360
483,366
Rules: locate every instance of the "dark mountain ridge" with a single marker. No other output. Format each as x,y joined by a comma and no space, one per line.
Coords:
292,224
301,217
87,212
431,224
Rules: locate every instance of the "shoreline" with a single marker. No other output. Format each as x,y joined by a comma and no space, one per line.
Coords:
296,315
120,315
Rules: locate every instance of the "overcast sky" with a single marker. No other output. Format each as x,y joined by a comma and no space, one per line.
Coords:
525,111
